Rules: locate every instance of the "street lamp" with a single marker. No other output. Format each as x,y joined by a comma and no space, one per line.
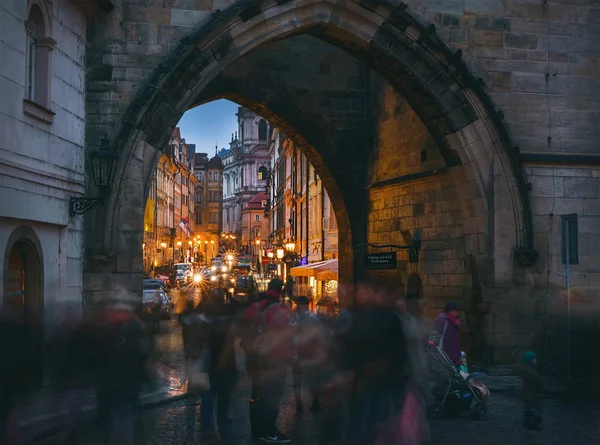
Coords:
103,163
163,245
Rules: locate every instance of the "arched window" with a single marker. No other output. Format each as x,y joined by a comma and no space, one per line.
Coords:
262,130
262,173
39,48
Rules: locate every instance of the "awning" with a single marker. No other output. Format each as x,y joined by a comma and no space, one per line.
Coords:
322,270
328,271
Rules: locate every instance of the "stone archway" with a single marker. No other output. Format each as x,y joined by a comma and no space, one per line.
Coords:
448,100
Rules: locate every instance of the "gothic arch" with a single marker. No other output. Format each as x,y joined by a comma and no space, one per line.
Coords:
451,103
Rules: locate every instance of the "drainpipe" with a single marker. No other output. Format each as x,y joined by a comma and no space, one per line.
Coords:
174,222
307,199
322,225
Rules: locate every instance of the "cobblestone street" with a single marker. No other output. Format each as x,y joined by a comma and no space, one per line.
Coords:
178,423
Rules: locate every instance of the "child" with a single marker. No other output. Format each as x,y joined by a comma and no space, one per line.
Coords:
463,363
532,387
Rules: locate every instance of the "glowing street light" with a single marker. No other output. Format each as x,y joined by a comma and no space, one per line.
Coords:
258,242
229,257
189,243
178,243
280,254
224,269
163,245
270,254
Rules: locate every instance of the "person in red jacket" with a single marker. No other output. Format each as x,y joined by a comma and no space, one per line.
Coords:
268,346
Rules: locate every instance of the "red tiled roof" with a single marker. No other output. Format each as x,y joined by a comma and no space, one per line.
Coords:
256,202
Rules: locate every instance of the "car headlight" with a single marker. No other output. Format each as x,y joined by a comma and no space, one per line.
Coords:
197,278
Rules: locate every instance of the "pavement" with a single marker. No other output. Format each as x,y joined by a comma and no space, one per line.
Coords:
45,412
178,423
170,416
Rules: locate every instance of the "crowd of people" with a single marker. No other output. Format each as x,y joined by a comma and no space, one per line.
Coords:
364,370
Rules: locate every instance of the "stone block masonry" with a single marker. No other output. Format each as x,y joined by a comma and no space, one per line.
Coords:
447,168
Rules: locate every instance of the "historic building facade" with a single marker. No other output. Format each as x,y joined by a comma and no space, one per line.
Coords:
255,225
42,160
301,213
247,154
208,204
166,239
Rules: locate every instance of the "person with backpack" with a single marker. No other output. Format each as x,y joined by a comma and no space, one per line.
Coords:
267,340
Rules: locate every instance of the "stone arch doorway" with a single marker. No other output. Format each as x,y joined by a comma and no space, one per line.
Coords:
448,100
23,279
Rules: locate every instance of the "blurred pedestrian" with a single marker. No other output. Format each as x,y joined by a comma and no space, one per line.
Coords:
20,367
307,330
445,332
217,338
384,408
123,351
267,336
289,287
532,388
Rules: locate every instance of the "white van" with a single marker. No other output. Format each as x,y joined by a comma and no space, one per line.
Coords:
184,272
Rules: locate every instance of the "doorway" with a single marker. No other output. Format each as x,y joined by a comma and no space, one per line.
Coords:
23,301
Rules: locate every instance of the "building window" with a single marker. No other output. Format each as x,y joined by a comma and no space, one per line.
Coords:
214,218
262,130
263,173
198,218
38,66
257,233
570,239
199,176
257,217
198,197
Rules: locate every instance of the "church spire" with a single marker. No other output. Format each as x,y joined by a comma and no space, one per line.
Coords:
216,148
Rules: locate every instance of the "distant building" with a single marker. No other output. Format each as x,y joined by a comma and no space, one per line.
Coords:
248,152
208,204
255,225
302,219
169,216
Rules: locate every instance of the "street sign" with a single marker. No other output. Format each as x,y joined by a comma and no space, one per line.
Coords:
265,260
381,261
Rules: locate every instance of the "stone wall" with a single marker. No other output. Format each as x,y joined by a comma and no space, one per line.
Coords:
401,200
558,191
538,59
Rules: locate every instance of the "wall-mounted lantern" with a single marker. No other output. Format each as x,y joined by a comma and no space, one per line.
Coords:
103,165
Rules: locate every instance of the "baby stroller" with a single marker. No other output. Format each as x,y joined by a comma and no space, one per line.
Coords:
455,391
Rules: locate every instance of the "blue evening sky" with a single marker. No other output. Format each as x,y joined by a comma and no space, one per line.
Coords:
208,124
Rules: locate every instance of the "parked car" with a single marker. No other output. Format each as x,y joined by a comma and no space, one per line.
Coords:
152,297
154,284
244,286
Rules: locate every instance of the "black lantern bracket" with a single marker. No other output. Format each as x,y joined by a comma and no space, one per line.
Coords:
103,163
79,206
